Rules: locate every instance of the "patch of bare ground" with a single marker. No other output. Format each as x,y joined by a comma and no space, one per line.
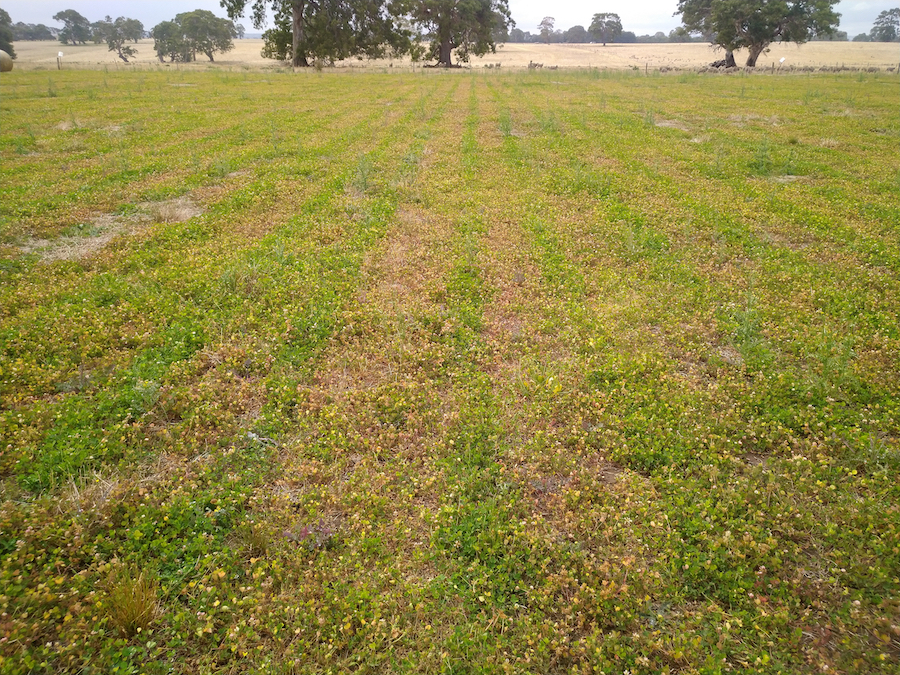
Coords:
175,210
101,230
790,179
672,124
790,241
99,233
752,459
741,120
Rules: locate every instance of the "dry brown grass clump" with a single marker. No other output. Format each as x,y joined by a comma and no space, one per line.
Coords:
173,210
133,603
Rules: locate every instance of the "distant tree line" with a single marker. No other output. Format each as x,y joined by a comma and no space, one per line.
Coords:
323,31
728,24
604,27
305,31
78,30
581,35
182,39
29,32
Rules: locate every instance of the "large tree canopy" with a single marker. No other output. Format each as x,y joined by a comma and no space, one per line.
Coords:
887,26
466,26
606,27
756,24
6,33
116,33
76,28
546,28
577,34
192,33
307,30
338,29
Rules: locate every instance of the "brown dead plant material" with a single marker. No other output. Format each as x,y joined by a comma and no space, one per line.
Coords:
173,210
133,600
400,278
672,124
103,229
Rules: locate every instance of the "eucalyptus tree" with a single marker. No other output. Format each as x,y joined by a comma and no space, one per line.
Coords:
6,34
605,27
309,30
754,25
192,33
115,34
76,28
887,26
465,26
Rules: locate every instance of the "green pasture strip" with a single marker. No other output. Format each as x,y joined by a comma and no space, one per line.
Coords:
155,155
650,420
496,375
320,249
779,271
326,547
750,147
758,132
171,297
30,307
600,526
381,599
875,312
520,567
774,170
244,292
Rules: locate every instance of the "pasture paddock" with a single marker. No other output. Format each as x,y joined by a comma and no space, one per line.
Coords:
644,57
560,371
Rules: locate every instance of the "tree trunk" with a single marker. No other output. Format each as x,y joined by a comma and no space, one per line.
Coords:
298,59
729,60
444,58
755,51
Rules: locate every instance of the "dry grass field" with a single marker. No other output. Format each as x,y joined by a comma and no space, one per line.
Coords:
39,55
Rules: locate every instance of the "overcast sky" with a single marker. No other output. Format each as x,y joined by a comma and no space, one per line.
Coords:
645,16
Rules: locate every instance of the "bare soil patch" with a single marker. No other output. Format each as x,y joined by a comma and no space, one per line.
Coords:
97,234
672,124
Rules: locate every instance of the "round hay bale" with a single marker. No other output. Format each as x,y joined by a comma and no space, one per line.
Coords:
6,62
